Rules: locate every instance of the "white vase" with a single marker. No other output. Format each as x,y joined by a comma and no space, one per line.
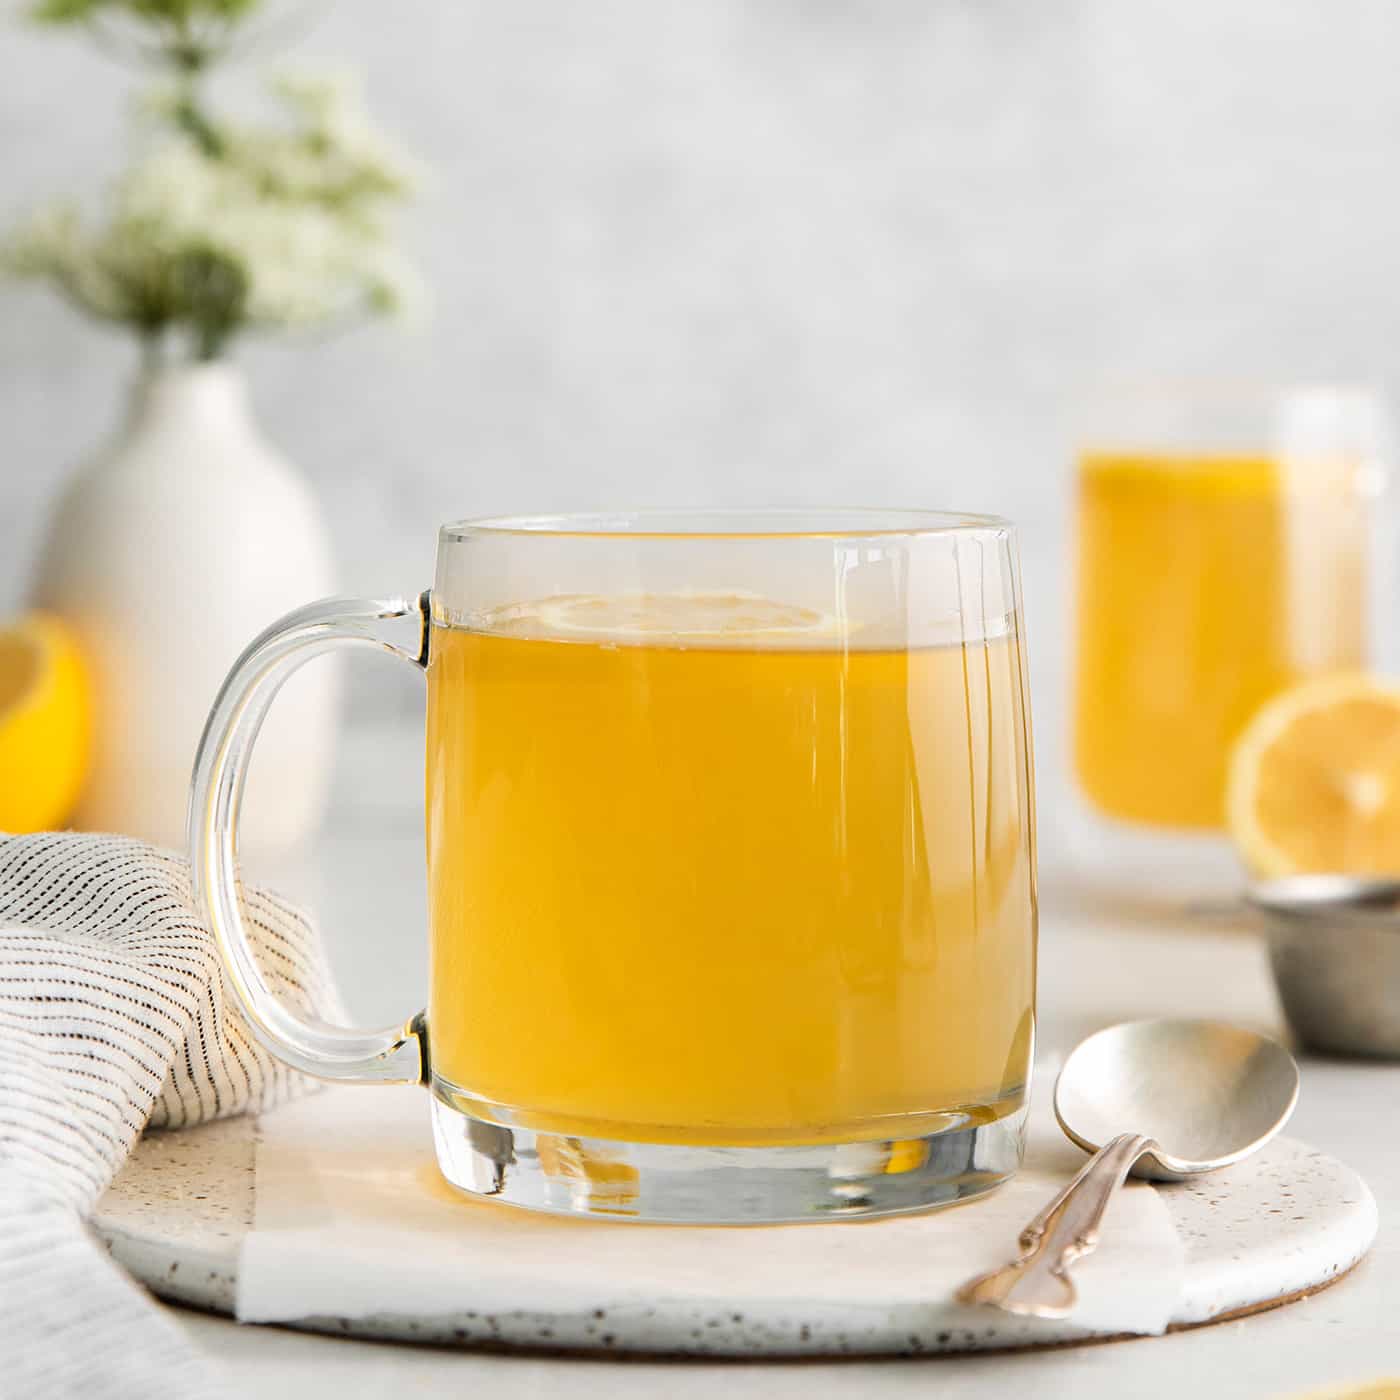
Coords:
168,554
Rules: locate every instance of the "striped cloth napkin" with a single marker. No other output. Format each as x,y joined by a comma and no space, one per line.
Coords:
112,1020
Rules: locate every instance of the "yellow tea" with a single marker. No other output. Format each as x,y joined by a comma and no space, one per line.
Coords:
707,870
1199,578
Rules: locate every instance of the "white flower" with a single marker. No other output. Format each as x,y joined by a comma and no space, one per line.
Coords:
295,216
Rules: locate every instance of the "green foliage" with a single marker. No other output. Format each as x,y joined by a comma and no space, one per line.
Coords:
186,36
176,14
213,290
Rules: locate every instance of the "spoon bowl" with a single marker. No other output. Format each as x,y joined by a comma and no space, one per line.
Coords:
1206,1093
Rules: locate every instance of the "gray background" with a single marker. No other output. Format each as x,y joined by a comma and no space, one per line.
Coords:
763,251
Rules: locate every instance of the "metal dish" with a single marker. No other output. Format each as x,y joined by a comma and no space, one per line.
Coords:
1334,945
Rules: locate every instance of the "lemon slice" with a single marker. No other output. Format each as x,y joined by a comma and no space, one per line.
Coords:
1314,783
45,724
687,617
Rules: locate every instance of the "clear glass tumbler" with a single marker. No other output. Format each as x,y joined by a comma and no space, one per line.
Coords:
731,860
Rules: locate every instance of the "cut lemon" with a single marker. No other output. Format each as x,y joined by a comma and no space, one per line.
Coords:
685,617
1314,781
45,724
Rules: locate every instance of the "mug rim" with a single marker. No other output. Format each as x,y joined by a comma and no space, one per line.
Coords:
725,523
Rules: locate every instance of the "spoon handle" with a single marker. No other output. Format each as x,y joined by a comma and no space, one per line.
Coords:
1038,1283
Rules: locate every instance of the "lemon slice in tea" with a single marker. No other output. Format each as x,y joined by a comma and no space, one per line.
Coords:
661,617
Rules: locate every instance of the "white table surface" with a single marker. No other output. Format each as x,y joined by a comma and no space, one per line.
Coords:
365,880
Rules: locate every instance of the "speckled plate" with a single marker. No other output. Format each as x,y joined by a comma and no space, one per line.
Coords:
1292,1223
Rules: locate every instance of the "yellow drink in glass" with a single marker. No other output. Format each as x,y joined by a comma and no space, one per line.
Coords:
767,891
732,900
1207,583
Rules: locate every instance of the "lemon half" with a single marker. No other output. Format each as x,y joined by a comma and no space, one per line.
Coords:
1314,783
45,724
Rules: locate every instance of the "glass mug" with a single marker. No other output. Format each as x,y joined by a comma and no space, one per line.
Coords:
1232,541
731,860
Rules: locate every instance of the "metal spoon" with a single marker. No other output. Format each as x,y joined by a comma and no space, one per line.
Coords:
1195,1095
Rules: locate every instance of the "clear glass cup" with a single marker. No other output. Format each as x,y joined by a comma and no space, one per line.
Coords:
731,860
1231,541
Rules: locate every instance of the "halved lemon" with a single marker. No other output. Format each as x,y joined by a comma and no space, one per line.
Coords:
45,724
1314,781
686,616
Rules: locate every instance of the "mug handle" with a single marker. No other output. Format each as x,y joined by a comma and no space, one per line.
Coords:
394,1054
